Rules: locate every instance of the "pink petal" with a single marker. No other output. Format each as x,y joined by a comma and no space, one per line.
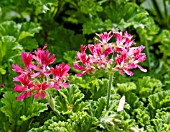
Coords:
36,95
17,68
108,51
18,88
21,97
80,74
42,95
35,74
142,69
128,72
27,94
56,86
121,72
65,85
78,67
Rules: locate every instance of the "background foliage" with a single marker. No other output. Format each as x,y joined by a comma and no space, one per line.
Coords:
66,24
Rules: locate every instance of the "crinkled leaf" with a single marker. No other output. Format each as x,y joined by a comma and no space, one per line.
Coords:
142,117
70,99
19,112
133,100
160,101
90,7
97,107
19,31
9,28
148,85
126,87
83,122
162,122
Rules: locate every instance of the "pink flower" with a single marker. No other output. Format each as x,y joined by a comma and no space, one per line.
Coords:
40,90
123,42
96,60
2,85
17,69
60,73
26,87
129,60
43,58
37,77
105,37
27,59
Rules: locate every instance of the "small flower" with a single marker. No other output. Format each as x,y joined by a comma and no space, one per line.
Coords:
40,90
105,37
94,61
2,85
27,59
43,58
36,77
60,73
26,87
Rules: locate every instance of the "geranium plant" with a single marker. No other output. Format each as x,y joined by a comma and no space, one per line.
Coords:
124,56
38,75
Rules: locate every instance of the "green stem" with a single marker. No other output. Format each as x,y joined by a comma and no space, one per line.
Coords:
148,54
109,89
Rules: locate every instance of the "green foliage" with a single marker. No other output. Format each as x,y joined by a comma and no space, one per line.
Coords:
158,102
70,100
20,114
58,45
66,24
148,85
42,6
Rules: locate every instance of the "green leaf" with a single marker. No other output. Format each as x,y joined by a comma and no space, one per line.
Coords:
29,43
9,28
159,101
97,107
90,7
66,40
148,85
19,112
28,29
126,87
133,100
70,100
89,27
83,122
42,6
162,122
9,43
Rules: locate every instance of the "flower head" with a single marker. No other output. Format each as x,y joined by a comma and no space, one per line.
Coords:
105,37
96,60
60,73
126,57
37,76
25,88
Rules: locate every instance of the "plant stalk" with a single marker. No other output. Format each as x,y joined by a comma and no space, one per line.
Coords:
109,89
148,55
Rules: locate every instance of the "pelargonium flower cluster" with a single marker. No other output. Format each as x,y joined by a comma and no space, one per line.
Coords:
125,56
38,75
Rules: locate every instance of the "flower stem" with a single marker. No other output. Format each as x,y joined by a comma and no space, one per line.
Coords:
148,55
109,89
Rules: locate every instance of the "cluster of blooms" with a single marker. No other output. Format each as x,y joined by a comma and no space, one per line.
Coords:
126,56
38,76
